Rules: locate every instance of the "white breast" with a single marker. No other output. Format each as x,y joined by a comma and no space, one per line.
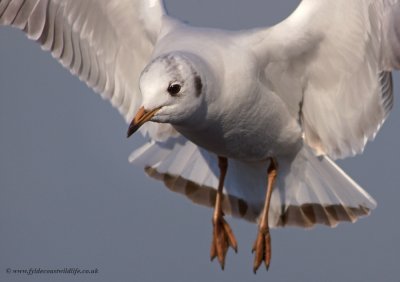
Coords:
250,127
243,118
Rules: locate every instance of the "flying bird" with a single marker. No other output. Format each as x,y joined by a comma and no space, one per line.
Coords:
247,122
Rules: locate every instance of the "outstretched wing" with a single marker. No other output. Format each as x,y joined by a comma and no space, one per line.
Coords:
330,61
106,43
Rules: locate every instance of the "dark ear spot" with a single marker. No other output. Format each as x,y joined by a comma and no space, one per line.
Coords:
198,85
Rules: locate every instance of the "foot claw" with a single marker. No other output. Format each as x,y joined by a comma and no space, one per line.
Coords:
213,251
231,238
223,238
262,249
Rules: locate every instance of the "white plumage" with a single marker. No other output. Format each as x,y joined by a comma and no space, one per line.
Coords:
329,63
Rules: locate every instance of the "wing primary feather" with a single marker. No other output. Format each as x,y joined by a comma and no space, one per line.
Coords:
3,7
37,21
24,13
104,42
386,82
11,11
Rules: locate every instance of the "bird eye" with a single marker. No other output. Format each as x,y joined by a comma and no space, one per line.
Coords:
174,89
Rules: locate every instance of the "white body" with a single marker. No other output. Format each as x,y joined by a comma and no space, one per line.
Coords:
315,86
244,119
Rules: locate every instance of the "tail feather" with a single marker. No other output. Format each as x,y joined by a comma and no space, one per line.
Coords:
309,190
314,190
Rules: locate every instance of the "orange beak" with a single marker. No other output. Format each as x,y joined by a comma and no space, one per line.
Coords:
140,118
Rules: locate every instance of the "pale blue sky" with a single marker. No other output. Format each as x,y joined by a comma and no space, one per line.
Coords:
69,197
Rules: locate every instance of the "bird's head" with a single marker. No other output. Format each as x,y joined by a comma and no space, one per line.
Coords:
172,91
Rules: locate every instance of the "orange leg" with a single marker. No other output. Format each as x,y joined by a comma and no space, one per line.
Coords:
262,245
222,233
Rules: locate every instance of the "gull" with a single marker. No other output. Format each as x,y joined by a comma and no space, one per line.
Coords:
247,122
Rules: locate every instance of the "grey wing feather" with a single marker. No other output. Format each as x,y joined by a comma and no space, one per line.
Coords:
330,62
391,31
105,43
